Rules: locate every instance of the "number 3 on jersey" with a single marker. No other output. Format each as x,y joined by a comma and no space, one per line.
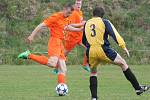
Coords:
92,27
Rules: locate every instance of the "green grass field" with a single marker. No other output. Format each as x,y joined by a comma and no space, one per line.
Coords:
34,82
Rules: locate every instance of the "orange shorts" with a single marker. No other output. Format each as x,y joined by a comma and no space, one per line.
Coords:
71,42
56,48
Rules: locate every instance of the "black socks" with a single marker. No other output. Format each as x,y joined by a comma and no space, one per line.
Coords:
93,86
130,77
128,74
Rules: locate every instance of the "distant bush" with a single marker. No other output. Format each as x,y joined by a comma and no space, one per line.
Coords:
18,18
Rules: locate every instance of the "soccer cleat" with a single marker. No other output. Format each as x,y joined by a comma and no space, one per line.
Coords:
143,89
55,71
94,99
87,68
24,55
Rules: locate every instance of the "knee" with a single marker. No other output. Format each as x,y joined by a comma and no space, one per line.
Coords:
52,63
122,62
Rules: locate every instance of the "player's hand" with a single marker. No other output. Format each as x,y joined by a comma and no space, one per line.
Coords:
30,39
127,52
81,29
83,22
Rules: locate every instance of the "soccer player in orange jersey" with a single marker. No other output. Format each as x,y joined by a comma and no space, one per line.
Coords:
56,57
73,38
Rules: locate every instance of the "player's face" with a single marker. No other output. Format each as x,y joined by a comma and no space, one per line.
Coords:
77,5
67,12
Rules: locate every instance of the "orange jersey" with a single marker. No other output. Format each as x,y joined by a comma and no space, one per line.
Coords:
56,23
73,38
75,17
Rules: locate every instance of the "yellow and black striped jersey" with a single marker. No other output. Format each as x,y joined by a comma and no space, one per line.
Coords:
97,30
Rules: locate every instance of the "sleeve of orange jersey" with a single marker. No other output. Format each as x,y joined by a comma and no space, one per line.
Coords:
50,20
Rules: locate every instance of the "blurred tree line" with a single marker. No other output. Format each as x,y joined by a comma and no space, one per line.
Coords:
18,18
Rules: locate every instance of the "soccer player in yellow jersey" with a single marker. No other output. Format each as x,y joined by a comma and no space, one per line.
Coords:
95,37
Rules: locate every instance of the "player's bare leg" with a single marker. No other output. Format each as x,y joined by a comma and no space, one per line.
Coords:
130,76
50,62
56,70
85,64
62,70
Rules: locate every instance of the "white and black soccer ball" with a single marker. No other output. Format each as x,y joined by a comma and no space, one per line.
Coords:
62,89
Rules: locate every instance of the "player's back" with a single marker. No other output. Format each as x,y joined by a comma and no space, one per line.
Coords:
56,22
95,30
75,17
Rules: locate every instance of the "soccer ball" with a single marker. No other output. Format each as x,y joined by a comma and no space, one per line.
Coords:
62,89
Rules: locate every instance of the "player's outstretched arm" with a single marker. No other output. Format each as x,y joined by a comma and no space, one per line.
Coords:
116,36
36,31
78,24
74,27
